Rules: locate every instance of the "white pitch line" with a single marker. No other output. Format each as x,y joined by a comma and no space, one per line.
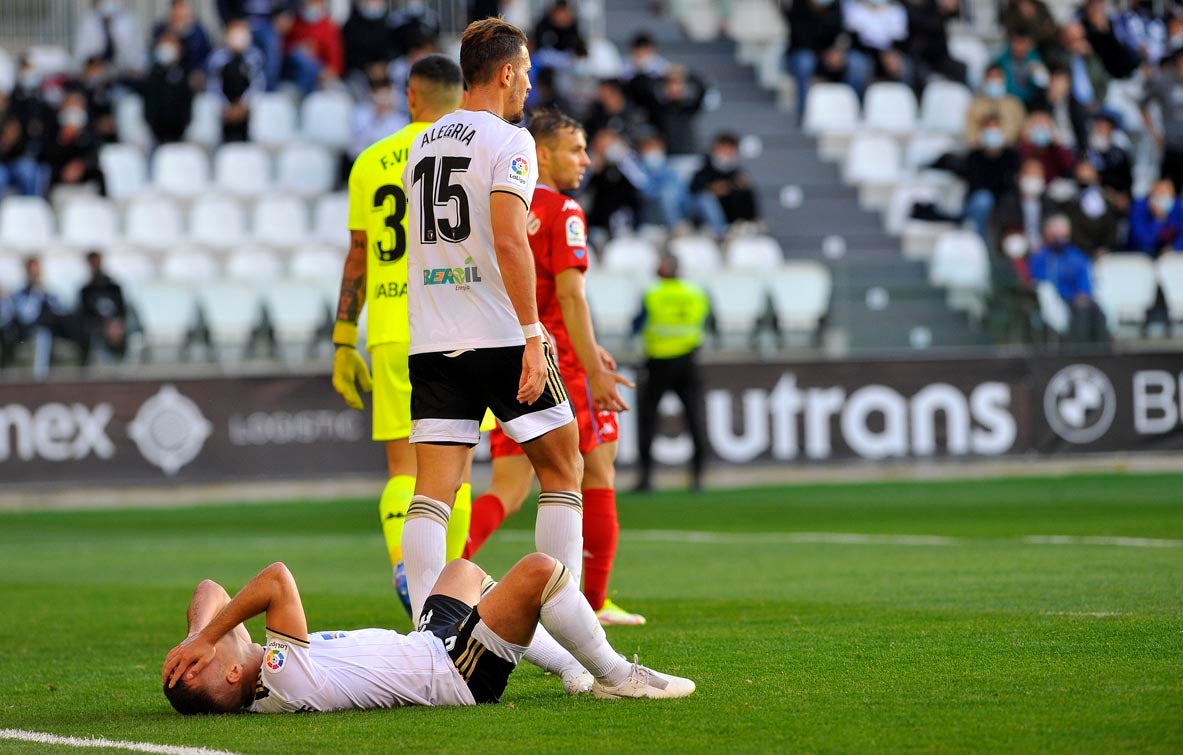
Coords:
857,538
44,738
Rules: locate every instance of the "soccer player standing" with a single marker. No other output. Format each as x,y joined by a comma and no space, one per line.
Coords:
476,341
558,239
376,272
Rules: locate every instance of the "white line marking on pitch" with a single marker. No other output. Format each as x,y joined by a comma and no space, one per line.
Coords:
857,538
44,738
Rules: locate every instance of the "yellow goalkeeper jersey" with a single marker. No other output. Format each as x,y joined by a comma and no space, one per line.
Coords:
378,206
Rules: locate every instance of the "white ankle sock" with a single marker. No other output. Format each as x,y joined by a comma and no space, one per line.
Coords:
547,654
424,547
567,615
558,529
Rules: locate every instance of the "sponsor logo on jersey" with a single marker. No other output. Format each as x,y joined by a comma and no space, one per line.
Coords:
519,170
460,277
576,233
393,290
274,660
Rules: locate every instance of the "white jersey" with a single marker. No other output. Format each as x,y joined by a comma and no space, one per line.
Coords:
363,668
455,294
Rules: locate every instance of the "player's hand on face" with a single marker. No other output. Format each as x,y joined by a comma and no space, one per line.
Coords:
533,380
605,397
349,372
188,659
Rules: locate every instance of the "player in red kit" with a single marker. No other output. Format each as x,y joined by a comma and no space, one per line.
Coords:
558,239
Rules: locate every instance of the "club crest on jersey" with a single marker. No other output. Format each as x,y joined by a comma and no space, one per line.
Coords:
576,233
274,660
519,170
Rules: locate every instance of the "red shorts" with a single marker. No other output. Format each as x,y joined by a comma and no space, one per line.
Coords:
594,427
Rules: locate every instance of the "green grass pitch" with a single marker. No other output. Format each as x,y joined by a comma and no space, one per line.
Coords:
976,639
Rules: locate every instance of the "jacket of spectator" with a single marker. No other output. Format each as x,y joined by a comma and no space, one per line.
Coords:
112,33
1143,31
73,155
366,37
814,26
1099,28
558,29
1023,69
263,9
673,108
1094,220
322,38
236,76
990,171
168,98
1033,19
1039,144
1111,161
612,110
994,101
730,185
928,42
194,40
1151,232
1065,267
1020,213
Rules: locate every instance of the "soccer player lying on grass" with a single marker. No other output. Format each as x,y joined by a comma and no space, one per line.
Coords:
466,647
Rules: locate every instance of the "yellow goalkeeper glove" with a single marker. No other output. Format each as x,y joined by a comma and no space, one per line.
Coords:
349,368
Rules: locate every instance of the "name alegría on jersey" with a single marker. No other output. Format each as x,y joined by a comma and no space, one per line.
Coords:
461,132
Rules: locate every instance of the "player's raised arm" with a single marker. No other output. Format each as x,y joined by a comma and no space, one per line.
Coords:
208,599
273,591
512,247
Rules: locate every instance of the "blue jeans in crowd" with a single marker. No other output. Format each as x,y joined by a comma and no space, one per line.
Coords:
264,36
22,175
705,206
303,69
978,207
860,71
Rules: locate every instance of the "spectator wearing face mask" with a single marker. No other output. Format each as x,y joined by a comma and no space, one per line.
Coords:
1012,306
73,155
312,46
993,99
376,118
102,313
1024,210
1070,270
365,35
1111,161
190,35
1089,82
1156,221
168,98
663,192
879,38
615,201
817,44
1166,91
1039,142
97,85
612,110
1031,19
1056,101
237,75
721,192
988,170
1093,217
268,21
1024,71
558,30
674,107
112,33
1100,29
37,316
19,171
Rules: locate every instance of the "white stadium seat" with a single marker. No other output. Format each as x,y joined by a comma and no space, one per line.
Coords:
603,59
232,312
167,313
315,263
800,293
738,302
889,108
205,124
296,312
331,225
251,264
130,126
1170,277
698,256
12,273
326,118
628,254
918,238
273,120
755,22
961,265
180,170
125,170
26,223
943,107
217,222
49,60
874,165
614,298
1053,309
756,253
831,115
64,274
129,267
189,264
280,221
1124,286
242,169
7,72
89,222
153,222
924,149
971,50
306,170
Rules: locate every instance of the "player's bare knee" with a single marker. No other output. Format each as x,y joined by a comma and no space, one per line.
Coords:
461,569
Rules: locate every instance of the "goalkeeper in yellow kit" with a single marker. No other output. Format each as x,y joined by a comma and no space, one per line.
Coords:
376,272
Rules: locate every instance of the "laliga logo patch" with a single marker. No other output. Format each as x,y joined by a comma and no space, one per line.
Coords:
577,235
274,660
519,170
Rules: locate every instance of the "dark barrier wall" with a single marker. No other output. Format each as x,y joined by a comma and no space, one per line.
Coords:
292,427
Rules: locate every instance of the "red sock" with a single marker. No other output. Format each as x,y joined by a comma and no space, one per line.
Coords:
487,515
600,532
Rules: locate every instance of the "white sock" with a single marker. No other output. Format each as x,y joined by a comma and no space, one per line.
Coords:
547,654
567,615
558,529
424,548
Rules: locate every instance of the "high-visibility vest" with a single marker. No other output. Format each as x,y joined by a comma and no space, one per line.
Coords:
675,318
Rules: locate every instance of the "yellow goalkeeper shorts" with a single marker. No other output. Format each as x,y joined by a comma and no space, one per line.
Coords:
392,391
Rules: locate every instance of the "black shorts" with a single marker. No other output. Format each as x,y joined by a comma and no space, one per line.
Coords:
452,620
449,396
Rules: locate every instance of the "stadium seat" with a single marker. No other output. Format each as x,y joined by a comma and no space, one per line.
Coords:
205,124
603,59
130,126
614,298
252,264
125,171
943,107
281,222
738,303
924,149
698,256
331,225
49,60
129,267
273,120
242,169
231,312
168,314
26,223
831,115
306,170
1170,278
756,253
180,170
971,50
961,265
189,264
889,108
1124,286
326,119
755,23
873,164
153,222
320,266
1052,308
89,222
628,254
64,274
800,293
297,313
917,237
217,222
12,273
7,72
